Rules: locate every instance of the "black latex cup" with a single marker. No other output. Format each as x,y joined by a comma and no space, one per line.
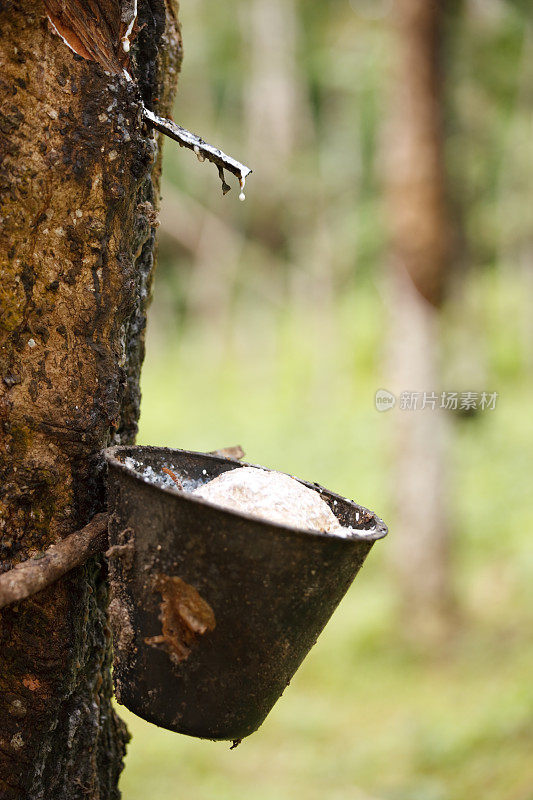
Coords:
213,611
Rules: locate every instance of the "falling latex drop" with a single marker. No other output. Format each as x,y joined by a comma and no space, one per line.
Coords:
242,182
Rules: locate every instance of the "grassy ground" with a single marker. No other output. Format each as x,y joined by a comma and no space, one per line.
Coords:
366,716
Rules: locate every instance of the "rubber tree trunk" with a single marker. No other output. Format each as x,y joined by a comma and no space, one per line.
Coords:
79,180
420,260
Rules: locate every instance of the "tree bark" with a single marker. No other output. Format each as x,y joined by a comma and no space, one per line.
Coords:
420,257
79,177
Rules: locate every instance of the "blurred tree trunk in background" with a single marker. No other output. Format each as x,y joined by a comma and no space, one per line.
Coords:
279,122
274,102
420,261
79,179
273,110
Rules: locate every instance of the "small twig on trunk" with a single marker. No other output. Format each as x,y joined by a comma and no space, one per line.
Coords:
35,574
202,149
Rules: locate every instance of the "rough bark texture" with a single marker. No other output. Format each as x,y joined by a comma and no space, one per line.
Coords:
420,257
78,185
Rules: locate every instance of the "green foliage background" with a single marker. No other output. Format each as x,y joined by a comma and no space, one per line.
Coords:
281,346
